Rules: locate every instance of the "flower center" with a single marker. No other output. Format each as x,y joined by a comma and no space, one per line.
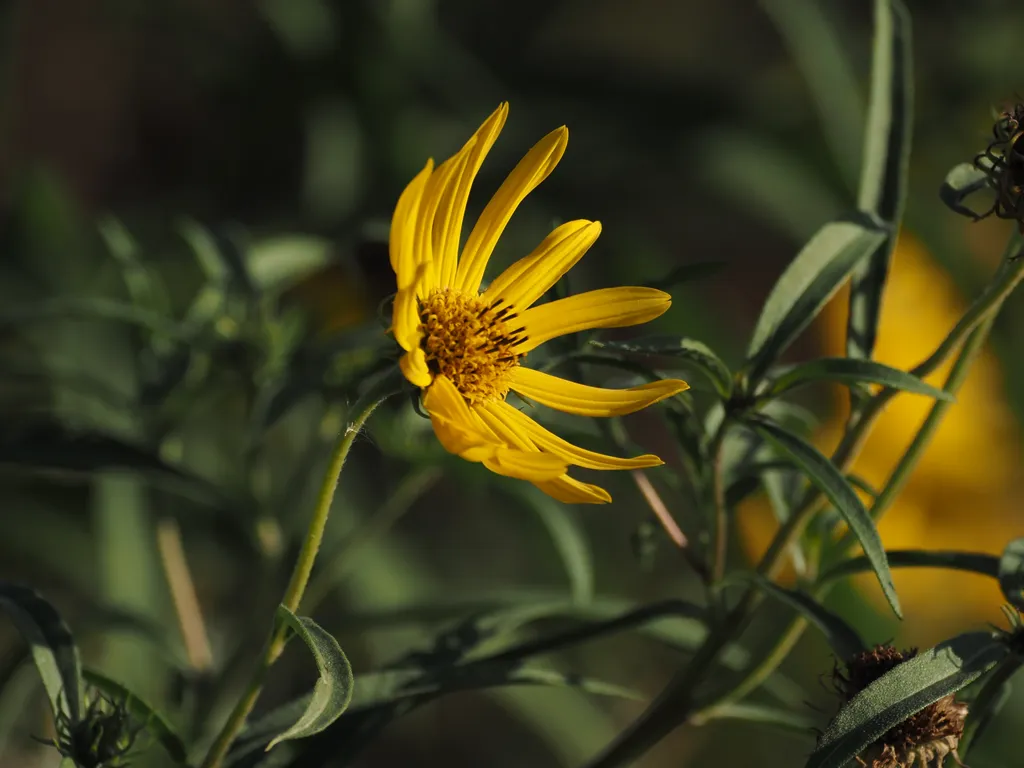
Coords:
470,342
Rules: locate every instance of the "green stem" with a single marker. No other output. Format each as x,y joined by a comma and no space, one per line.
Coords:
675,704
756,675
277,639
981,707
719,507
390,512
908,462
1011,272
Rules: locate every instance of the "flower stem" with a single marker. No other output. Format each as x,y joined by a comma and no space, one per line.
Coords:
300,574
677,702
720,511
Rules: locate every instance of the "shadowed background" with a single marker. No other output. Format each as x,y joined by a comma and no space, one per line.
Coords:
179,138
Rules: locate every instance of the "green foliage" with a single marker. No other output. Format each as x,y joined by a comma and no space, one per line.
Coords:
51,644
332,693
904,691
202,373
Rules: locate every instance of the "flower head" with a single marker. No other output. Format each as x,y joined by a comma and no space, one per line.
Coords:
465,347
924,739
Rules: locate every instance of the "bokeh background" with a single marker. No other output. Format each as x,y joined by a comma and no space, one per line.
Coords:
147,150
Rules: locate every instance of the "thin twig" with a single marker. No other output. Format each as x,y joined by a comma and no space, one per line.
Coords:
183,595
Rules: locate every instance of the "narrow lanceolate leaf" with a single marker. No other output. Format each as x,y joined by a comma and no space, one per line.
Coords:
883,183
155,723
840,635
1011,573
692,351
777,717
816,47
974,562
53,648
817,272
278,263
333,691
846,370
569,538
830,481
961,182
903,691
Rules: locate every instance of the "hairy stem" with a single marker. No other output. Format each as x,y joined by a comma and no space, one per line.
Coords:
275,643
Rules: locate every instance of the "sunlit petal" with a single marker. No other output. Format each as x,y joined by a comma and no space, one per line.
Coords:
531,171
604,308
517,422
414,367
526,281
582,400
570,491
401,243
448,240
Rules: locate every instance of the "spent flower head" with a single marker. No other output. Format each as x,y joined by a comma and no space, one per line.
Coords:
924,739
104,736
465,346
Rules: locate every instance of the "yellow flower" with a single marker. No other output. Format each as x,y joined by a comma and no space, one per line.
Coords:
464,348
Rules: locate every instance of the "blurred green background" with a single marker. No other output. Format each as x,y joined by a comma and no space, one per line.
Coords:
194,196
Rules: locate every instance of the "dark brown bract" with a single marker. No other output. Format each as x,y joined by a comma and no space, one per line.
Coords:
924,739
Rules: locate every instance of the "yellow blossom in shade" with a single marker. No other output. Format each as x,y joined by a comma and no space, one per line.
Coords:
963,492
464,348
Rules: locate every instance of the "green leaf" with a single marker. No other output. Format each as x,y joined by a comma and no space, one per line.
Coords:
1011,573
840,635
692,351
815,46
903,691
854,371
766,180
814,276
47,446
989,699
687,273
765,715
960,183
883,183
280,262
569,537
156,724
830,481
333,691
974,562
52,645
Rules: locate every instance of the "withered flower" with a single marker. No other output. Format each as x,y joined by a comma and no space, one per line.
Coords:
924,739
1003,164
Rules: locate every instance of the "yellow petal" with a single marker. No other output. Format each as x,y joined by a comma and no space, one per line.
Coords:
446,401
526,465
604,308
448,242
579,399
401,243
446,221
518,423
414,367
531,171
405,313
570,491
526,281
433,212
463,433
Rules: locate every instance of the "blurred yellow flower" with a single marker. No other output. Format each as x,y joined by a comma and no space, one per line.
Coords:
963,492
464,347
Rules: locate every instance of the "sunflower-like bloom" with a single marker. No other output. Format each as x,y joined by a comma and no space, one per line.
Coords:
464,348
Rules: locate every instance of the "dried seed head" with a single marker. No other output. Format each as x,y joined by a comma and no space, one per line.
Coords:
924,739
